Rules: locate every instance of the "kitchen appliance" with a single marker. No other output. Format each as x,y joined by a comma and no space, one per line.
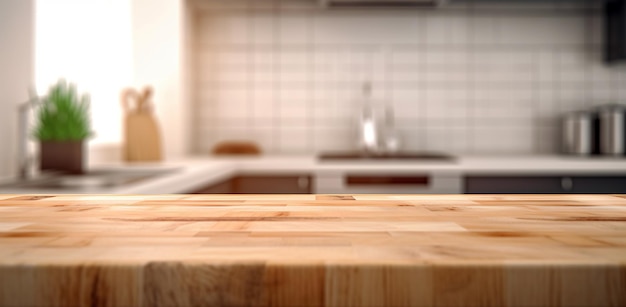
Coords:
601,131
612,125
390,181
380,3
578,133
93,179
386,173
404,156
615,30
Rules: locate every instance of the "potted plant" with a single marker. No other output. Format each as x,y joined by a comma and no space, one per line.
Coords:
62,128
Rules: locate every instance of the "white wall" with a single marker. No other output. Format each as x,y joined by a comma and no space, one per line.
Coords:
462,79
16,73
160,32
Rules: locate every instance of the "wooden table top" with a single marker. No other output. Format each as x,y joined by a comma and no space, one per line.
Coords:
459,241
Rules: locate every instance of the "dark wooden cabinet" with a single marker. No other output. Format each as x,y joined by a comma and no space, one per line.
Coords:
599,185
262,184
548,184
224,187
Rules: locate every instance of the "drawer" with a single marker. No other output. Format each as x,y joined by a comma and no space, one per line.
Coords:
529,184
262,184
512,185
599,185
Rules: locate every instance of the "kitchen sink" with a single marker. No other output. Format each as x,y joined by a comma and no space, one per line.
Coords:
407,156
101,178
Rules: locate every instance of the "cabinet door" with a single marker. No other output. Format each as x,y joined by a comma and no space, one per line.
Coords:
599,184
512,185
524,184
271,184
224,187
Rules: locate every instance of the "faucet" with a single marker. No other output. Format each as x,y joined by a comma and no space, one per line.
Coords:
22,151
391,142
378,132
368,122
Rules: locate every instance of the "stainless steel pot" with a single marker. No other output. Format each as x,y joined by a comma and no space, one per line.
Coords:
578,133
612,126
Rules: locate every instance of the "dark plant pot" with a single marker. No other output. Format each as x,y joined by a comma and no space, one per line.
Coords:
64,156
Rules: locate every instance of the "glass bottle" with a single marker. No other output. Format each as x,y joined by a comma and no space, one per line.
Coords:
368,125
390,135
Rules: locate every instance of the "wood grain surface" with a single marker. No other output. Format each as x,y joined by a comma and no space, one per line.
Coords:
312,250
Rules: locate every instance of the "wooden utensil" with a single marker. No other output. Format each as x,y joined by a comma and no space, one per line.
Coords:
142,140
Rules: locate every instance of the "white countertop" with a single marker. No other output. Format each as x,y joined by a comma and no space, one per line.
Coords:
196,172
462,164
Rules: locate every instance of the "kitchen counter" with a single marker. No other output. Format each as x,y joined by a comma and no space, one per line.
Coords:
195,172
312,250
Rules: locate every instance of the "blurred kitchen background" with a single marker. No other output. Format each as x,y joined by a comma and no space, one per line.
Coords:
488,78
464,78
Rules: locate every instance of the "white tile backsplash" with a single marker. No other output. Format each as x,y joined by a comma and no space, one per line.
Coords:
288,75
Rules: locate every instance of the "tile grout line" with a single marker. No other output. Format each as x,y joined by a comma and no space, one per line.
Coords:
311,144
250,69
278,146
423,85
471,86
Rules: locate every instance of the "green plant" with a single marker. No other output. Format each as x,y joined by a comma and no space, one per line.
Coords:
63,115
